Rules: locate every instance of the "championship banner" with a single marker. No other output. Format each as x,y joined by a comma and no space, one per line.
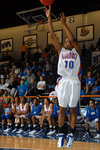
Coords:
95,57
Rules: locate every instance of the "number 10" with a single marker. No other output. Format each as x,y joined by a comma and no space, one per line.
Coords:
69,64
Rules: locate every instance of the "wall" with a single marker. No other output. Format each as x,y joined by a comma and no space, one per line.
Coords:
18,32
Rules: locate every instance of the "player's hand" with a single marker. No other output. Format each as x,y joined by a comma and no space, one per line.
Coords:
62,18
47,11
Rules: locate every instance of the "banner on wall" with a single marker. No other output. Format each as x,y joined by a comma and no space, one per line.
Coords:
95,57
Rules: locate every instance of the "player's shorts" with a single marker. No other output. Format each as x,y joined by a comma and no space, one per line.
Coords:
93,122
22,116
68,91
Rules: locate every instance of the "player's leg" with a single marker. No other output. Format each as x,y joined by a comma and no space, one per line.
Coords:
22,125
98,130
34,125
41,124
3,119
61,128
9,122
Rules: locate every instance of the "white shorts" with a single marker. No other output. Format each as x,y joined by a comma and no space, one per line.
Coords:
68,91
22,116
93,123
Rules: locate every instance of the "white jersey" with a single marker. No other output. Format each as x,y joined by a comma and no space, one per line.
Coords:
23,109
17,108
12,106
69,63
47,110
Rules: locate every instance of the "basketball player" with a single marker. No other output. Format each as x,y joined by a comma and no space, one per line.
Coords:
68,88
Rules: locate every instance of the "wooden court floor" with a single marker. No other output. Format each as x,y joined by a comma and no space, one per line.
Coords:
9,142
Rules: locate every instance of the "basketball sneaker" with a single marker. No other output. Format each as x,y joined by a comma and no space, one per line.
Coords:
86,135
15,130
33,131
97,136
27,131
61,138
70,140
8,129
19,131
50,132
39,132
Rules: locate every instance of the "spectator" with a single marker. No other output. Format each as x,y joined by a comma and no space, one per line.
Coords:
22,89
6,100
7,79
44,73
29,76
12,86
92,118
38,74
1,95
34,115
47,65
23,111
47,111
20,73
27,66
96,88
16,78
89,82
41,86
84,51
34,66
98,77
32,87
91,48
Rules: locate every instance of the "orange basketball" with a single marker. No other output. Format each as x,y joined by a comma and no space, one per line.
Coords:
47,2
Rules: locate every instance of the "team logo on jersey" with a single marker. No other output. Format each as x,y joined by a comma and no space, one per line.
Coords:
69,55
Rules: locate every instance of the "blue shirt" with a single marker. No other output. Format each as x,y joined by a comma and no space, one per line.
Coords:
55,109
98,89
90,81
93,114
22,90
35,110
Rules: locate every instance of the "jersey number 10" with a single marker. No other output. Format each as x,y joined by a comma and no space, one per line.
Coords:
69,64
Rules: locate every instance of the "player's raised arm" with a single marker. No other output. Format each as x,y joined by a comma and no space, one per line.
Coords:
69,33
54,38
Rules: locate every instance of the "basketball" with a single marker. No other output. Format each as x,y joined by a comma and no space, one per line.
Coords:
47,2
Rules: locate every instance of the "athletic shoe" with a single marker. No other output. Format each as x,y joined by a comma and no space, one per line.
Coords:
15,130
8,129
70,140
61,138
54,132
32,132
19,131
86,135
50,132
2,129
39,132
27,131
97,136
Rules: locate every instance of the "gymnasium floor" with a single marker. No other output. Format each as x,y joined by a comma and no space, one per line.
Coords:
42,142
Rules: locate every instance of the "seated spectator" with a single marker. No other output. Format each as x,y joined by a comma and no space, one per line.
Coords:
6,100
24,78
22,89
92,118
20,73
41,86
35,114
29,76
96,88
47,66
12,72
23,111
32,88
47,111
98,77
27,66
2,83
54,116
16,112
10,116
12,86
16,78
7,80
38,74
89,82
44,73
34,66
